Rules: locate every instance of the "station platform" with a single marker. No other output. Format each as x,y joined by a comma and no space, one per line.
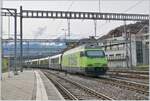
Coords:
28,85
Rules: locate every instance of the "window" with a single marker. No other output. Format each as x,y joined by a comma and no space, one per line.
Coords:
118,47
95,53
55,61
147,43
146,30
139,52
118,54
146,37
111,55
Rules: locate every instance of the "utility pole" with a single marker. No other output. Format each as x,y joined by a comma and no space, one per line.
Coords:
68,27
149,32
15,35
28,53
95,28
68,31
130,49
21,50
8,27
126,41
99,6
64,33
8,49
95,22
1,2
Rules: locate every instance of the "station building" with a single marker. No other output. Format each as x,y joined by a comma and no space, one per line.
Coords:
127,50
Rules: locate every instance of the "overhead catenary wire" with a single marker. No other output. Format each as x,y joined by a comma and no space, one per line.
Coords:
133,6
68,9
126,10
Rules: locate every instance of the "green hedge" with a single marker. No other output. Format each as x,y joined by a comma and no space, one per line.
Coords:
4,65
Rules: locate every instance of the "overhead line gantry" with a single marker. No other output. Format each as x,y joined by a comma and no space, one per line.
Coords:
79,15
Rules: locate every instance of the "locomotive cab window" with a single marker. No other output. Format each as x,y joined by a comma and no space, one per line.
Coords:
95,53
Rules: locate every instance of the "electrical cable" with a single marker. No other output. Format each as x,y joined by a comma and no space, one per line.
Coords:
133,6
60,23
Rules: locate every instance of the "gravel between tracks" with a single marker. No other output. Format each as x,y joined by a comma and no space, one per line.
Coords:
107,89
79,93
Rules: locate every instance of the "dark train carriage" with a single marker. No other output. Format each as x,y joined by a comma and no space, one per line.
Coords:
44,62
55,62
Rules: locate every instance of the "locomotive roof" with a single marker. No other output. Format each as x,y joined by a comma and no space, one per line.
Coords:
82,48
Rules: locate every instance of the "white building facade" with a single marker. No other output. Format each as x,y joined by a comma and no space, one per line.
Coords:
127,53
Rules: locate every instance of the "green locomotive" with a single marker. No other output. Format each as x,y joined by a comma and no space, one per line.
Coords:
85,59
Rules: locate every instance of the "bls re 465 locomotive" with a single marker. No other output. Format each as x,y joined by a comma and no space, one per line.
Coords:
84,59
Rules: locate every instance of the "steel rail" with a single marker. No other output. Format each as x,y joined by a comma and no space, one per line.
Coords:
140,88
128,75
62,88
133,86
87,89
132,72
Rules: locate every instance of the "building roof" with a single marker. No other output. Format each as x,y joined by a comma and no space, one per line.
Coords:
133,28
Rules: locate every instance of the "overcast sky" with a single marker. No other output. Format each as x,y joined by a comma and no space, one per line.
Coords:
52,28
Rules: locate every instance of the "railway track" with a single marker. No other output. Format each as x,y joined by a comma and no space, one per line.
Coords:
125,84
133,86
74,90
130,74
66,93
130,71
